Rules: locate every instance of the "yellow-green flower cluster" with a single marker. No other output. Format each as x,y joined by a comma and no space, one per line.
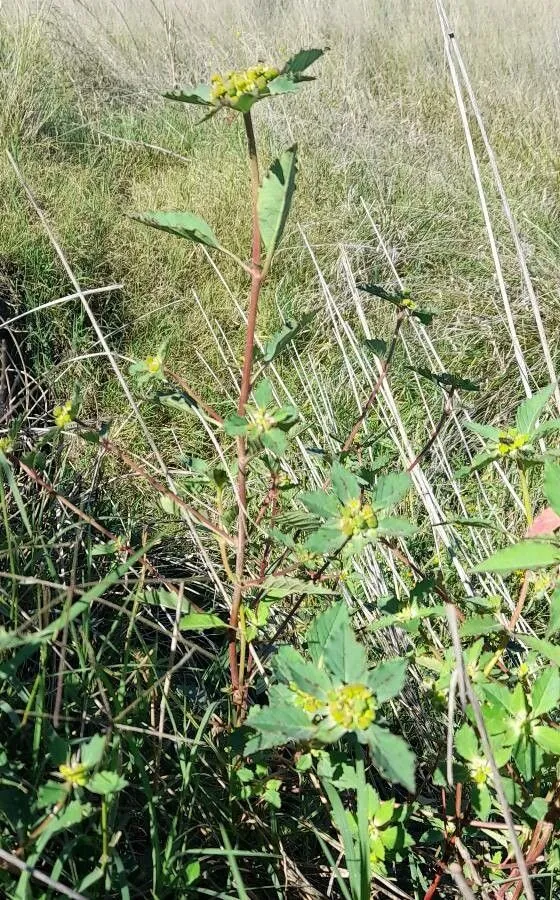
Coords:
480,770
6,445
154,364
352,706
261,420
230,87
63,415
308,702
76,775
356,518
509,442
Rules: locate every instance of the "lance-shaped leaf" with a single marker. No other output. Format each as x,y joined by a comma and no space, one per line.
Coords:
389,489
446,380
284,84
301,61
199,95
524,555
181,224
388,678
275,197
392,756
279,341
530,410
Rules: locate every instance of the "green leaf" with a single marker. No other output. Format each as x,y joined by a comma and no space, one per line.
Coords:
283,84
263,394
301,61
545,648
551,486
392,756
390,489
281,339
322,629
377,346
346,485
388,678
488,432
344,657
199,95
479,461
290,666
181,224
547,738
446,379
554,619
277,725
275,440
321,504
50,794
524,555
545,693
106,782
275,197
529,411
277,587
235,425
538,808
325,540
395,526
474,626
92,752
195,621
466,742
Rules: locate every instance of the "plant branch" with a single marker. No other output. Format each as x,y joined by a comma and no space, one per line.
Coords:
446,412
377,386
244,391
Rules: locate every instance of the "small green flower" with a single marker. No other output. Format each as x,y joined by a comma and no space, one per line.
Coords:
510,441
77,774
63,415
154,364
480,770
352,706
227,89
312,705
6,445
356,518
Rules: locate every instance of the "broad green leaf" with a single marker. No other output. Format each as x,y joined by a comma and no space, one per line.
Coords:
199,95
528,757
235,425
538,808
283,84
388,678
377,346
479,461
181,224
106,782
547,738
325,540
346,486
545,693
275,440
474,626
395,526
277,587
91,753
301,61
72,814
290,666
466,742
281,339
323,627
195,621
529,411
277,725
50,793
263,394
554,619
545,648
481,800
488,432
551,486
321,504
344,657
390,489
275,197
392,756
524,555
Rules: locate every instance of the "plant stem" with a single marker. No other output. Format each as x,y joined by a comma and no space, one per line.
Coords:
377,386
446,412
524,484
245,388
